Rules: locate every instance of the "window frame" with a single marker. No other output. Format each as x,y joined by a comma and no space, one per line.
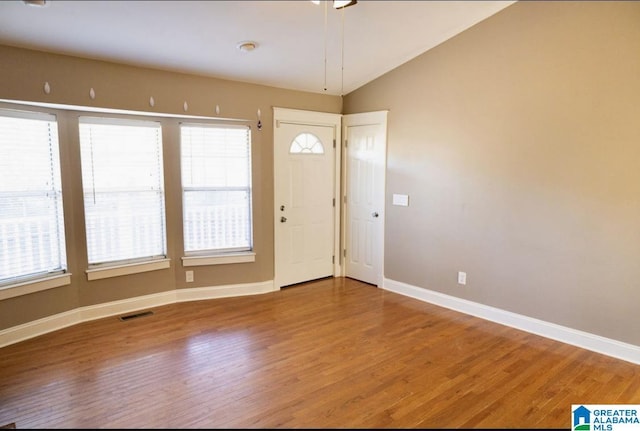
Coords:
67,117
136,264
217,256
44,279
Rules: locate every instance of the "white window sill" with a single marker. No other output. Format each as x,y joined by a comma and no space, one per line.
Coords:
221,259
33,286
132,268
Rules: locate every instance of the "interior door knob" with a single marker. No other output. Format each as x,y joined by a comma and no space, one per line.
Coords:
283,219
375,214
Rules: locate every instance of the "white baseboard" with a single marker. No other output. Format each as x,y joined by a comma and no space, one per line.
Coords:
42,326
39,327
98,311
585,340
213,292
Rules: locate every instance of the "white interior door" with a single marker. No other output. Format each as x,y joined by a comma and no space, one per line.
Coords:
304,191
365,164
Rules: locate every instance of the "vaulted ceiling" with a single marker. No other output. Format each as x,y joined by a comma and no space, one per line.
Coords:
298,44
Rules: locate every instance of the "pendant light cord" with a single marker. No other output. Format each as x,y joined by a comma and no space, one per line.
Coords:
342,60
325,45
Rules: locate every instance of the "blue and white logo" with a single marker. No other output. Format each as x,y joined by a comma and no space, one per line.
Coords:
605,417
581,419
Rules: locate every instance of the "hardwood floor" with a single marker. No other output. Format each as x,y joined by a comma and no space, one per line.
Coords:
334,353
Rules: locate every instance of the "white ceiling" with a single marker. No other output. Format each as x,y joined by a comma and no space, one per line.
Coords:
201,37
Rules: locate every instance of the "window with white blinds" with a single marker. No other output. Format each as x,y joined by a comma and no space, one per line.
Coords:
216,188
122,179
32,242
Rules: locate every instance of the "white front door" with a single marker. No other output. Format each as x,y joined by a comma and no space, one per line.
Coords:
304,191
365,165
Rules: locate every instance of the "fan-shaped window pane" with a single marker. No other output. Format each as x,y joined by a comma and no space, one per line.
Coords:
306,143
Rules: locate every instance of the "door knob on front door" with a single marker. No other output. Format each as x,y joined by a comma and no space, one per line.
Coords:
375,214
283,219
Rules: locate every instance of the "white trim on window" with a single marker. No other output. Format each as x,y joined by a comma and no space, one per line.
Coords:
221,259
216,190
32,235
131,268
123,188
33,286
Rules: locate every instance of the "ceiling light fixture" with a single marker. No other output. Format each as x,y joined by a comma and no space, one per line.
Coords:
247,46
39,3
339,4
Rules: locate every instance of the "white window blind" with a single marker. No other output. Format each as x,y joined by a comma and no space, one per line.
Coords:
32,242
123,185
216,187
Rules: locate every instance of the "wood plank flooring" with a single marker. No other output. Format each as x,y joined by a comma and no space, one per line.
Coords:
333,353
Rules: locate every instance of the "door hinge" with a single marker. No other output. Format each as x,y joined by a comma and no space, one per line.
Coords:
333,259
334,202
345,252
334,143
346,143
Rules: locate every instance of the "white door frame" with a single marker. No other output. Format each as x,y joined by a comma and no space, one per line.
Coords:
302,117
363,119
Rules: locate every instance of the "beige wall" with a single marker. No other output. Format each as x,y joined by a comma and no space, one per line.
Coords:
518,142
22,77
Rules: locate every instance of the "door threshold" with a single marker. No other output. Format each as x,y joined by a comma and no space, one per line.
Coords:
306,282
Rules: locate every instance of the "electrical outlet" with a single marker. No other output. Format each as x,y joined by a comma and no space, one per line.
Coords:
189,276
462,277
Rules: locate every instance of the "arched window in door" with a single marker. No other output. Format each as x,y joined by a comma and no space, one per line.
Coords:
306,143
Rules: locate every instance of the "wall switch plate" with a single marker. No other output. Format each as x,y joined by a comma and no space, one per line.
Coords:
462,277
401,200
189,275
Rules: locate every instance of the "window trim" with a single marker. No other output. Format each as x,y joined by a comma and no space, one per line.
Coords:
42,280
34,285
127,269
205,257
67,114
114,268
219,259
